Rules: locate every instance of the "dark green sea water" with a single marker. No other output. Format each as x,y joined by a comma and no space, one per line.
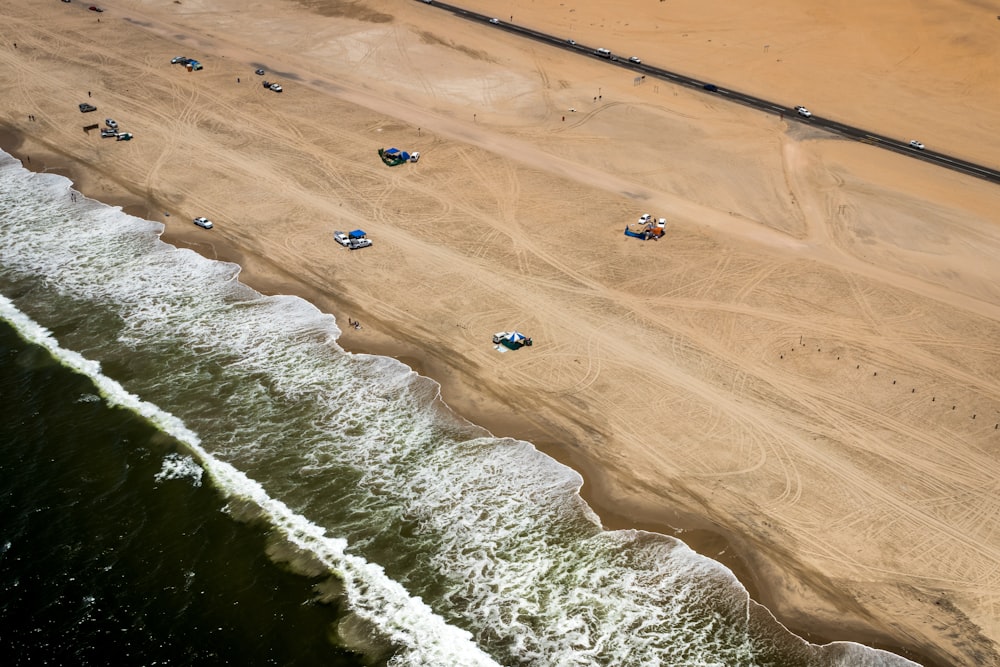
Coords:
101,564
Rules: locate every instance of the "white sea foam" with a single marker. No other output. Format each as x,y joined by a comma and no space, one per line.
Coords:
179,466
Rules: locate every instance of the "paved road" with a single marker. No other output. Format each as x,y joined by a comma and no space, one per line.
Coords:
708,88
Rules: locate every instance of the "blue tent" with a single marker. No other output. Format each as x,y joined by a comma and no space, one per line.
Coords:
391,151
357,234
515,340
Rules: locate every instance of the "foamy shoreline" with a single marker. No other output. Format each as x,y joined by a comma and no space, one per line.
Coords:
293,184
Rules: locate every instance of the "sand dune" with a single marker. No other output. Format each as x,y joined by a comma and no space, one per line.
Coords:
807,364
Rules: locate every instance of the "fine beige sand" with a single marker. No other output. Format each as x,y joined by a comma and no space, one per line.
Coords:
807,366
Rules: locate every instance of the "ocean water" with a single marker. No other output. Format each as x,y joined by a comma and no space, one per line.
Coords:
194,473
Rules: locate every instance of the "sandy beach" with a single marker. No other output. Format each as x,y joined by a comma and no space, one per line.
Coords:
801,379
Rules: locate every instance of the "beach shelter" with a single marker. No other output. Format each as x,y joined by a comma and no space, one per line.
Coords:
396,153
515,340
356,234
393,156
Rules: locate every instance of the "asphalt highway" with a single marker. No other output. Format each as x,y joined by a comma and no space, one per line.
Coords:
708,88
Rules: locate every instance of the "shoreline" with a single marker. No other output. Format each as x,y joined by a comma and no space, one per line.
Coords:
465,400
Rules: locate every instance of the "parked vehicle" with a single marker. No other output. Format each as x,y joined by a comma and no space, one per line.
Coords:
259,72
107,133
357,239
86,108
341,238
95,8
111,122
276,88
204,223
123,136
179,60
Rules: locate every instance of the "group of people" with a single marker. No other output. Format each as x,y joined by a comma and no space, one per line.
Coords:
354,323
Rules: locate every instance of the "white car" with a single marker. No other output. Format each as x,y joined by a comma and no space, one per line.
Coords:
276,88
495,21
111,122
341,238
635,60
499,336
204,223
360,243
803,111
916,144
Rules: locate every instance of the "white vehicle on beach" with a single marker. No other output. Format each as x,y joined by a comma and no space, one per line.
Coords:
204,223
341,238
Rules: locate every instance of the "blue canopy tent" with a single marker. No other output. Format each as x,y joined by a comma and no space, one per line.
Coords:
515,340
356,234
393,156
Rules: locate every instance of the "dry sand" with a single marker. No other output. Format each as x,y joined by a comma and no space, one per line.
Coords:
807,365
